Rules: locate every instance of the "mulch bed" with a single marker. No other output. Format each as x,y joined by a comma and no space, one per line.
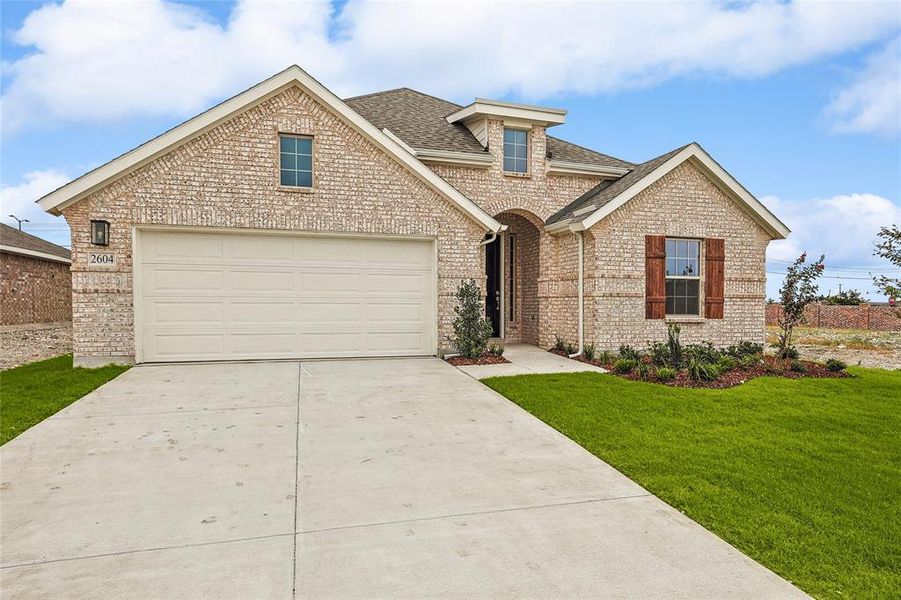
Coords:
771,366
486,359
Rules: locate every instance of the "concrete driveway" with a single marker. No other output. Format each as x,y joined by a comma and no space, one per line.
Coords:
339,479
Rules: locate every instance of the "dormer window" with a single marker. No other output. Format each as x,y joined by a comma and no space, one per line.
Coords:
516,151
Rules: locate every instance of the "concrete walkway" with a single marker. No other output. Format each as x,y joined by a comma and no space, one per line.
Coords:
339,479
526,359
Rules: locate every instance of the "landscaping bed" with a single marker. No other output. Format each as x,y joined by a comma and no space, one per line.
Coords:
486,359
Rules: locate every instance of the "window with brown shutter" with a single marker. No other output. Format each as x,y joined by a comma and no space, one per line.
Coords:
655,276
715,280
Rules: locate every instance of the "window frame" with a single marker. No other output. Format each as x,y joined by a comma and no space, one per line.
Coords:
278,170
528,148
697,276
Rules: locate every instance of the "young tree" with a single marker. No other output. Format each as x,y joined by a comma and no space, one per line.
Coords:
471,328
798,290
888,246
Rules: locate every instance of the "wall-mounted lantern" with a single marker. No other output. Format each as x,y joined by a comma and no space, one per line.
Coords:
100,233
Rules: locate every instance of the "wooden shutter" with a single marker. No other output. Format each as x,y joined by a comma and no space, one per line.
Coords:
655,276
715,277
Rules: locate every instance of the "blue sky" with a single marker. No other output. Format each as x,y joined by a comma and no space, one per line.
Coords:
799,101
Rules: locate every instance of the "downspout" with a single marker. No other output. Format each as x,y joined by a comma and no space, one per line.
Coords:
489,240
578,234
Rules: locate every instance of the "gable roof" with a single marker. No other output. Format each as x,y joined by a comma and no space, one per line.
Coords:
77,189
418,119
18,242
607,196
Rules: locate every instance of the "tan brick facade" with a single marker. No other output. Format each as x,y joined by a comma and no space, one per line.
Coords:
34,290
227,178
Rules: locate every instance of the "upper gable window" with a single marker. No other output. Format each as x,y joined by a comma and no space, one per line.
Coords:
516,151
296,161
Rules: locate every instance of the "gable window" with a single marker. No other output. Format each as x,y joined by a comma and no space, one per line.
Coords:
516,151
683,276
296,161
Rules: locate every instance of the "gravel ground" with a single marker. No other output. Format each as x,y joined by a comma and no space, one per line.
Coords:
20,344
877,349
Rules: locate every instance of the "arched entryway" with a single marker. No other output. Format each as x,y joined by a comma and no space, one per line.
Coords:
512,266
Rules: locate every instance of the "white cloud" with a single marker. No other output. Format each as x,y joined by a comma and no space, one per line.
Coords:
872,103
20,199
98,61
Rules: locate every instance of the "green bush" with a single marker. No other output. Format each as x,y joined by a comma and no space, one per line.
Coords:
644,370
789,352
725,363
570,349
835,365
496,349
750,361
628,352
676,351
660,354
666,374
471,328
798,367
702,371
744,348
605,357
589,352
624,365
705,353
559,343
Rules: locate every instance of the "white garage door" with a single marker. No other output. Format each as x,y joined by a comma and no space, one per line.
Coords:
229,296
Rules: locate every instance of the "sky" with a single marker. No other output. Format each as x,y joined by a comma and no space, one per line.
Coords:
800,101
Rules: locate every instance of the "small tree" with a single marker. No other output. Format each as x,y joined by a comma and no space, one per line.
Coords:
888,246
798,290
471,328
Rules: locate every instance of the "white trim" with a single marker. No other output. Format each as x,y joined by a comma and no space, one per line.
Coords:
75,190
527,113
35,254
564,167
717,174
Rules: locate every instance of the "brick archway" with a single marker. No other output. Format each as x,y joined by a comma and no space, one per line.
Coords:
521,244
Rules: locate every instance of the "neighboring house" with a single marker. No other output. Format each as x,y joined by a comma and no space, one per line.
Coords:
288,223
35,282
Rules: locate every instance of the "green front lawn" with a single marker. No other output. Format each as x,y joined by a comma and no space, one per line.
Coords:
31,393
803,475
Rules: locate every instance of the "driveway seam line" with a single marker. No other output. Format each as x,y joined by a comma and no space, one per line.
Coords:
172,412
475,513
296,481
141,550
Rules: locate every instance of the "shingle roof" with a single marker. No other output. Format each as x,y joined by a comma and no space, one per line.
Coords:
419,120
10,236
606,191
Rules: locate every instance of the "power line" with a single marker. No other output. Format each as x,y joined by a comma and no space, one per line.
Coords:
827,276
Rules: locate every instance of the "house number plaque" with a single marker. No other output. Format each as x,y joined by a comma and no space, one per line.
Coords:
101,259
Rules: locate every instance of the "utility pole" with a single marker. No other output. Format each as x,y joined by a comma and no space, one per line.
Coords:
20,221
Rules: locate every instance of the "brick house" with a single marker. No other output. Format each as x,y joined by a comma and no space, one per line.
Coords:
289,223
35,282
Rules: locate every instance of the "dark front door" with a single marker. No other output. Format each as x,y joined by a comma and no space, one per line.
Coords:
493,287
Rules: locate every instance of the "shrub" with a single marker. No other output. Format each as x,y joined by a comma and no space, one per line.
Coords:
666,374
471,328
835,365
744,348
570,348
797,366
628,352
725,363
644,370
660,354
790,352
605,357
624,365
799,288
675,346
496,349
705,353
589,352
702,371
750,361
559,343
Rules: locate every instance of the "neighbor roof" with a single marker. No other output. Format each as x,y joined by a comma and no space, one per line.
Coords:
19,242
419,120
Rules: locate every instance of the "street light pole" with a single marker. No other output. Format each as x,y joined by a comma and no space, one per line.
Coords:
20,221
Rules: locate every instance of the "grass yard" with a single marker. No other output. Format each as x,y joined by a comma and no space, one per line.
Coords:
31,393
803,475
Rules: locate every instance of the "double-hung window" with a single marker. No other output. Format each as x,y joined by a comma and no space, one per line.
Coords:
683,276
516,151
296,161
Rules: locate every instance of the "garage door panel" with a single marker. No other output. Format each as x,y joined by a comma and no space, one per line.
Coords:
282,296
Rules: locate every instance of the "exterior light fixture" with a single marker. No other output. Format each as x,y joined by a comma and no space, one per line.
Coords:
100,233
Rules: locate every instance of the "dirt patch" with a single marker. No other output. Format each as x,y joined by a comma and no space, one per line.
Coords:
487,359
771,366
21,344
873,349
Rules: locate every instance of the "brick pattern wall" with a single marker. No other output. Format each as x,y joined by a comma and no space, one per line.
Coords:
33,290
683,203
526,268
863,316
228,178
